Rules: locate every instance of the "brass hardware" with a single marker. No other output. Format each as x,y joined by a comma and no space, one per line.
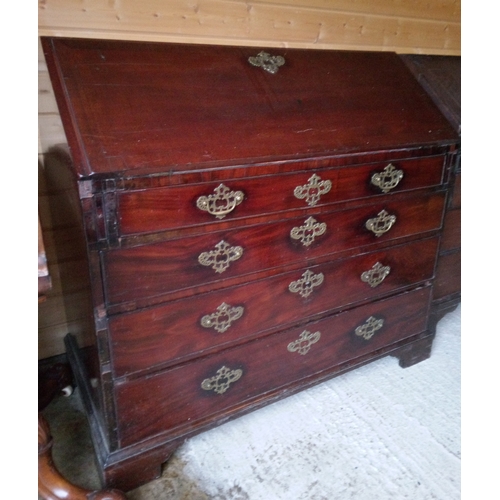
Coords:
220,258
370,326
305,285
388,179
220,383
221,203
380,224
313,190
267,62
375,275
308,231
304,342
222,319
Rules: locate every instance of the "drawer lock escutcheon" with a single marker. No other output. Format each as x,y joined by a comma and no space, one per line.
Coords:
305,285
220,258
388,179
222,319
376,274
380,224
303,344
313,190
221,203
220,382
308,232
267,62
369,327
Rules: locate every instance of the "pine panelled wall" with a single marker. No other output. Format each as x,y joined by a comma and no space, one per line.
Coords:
418,27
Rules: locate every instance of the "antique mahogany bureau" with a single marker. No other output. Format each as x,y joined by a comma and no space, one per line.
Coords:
256,222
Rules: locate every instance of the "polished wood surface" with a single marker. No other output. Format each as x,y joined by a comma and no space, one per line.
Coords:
138,107
153,210
170,333
51,484
143,273
267,366
154,128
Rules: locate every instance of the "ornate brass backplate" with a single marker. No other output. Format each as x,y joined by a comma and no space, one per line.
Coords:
221,203
220,382
308,232
267,62
220,258
305,285
369,327
380,224
388,179
376,274
313,190
223,318
303,344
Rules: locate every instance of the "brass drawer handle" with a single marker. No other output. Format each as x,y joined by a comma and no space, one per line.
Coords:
303,344
222,319
369,327
308,231
376,274
221,203
380,224
220,258
220,382
305,285
267,62
388,179
313,190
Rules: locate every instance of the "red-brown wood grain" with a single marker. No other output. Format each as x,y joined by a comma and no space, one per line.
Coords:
151,128
167,208
266,364
158,107
150,270
171,333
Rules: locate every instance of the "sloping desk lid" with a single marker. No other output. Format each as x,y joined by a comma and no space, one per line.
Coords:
132,107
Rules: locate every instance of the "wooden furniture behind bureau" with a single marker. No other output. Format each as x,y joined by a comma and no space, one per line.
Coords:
256,222
440,76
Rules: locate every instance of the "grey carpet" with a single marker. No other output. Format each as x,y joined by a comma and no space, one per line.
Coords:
376,433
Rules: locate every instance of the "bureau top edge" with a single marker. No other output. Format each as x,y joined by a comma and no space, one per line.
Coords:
137,107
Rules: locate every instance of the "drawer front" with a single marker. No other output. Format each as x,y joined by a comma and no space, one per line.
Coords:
161,209
204,390
180,330
152,270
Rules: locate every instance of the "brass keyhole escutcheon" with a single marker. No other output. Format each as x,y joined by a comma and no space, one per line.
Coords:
313,190
306,284
220,258
308,232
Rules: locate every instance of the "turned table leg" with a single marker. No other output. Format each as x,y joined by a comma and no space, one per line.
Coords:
51,484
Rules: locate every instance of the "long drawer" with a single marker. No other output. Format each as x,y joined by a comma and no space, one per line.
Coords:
140,272
180,330
151,210
199,391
